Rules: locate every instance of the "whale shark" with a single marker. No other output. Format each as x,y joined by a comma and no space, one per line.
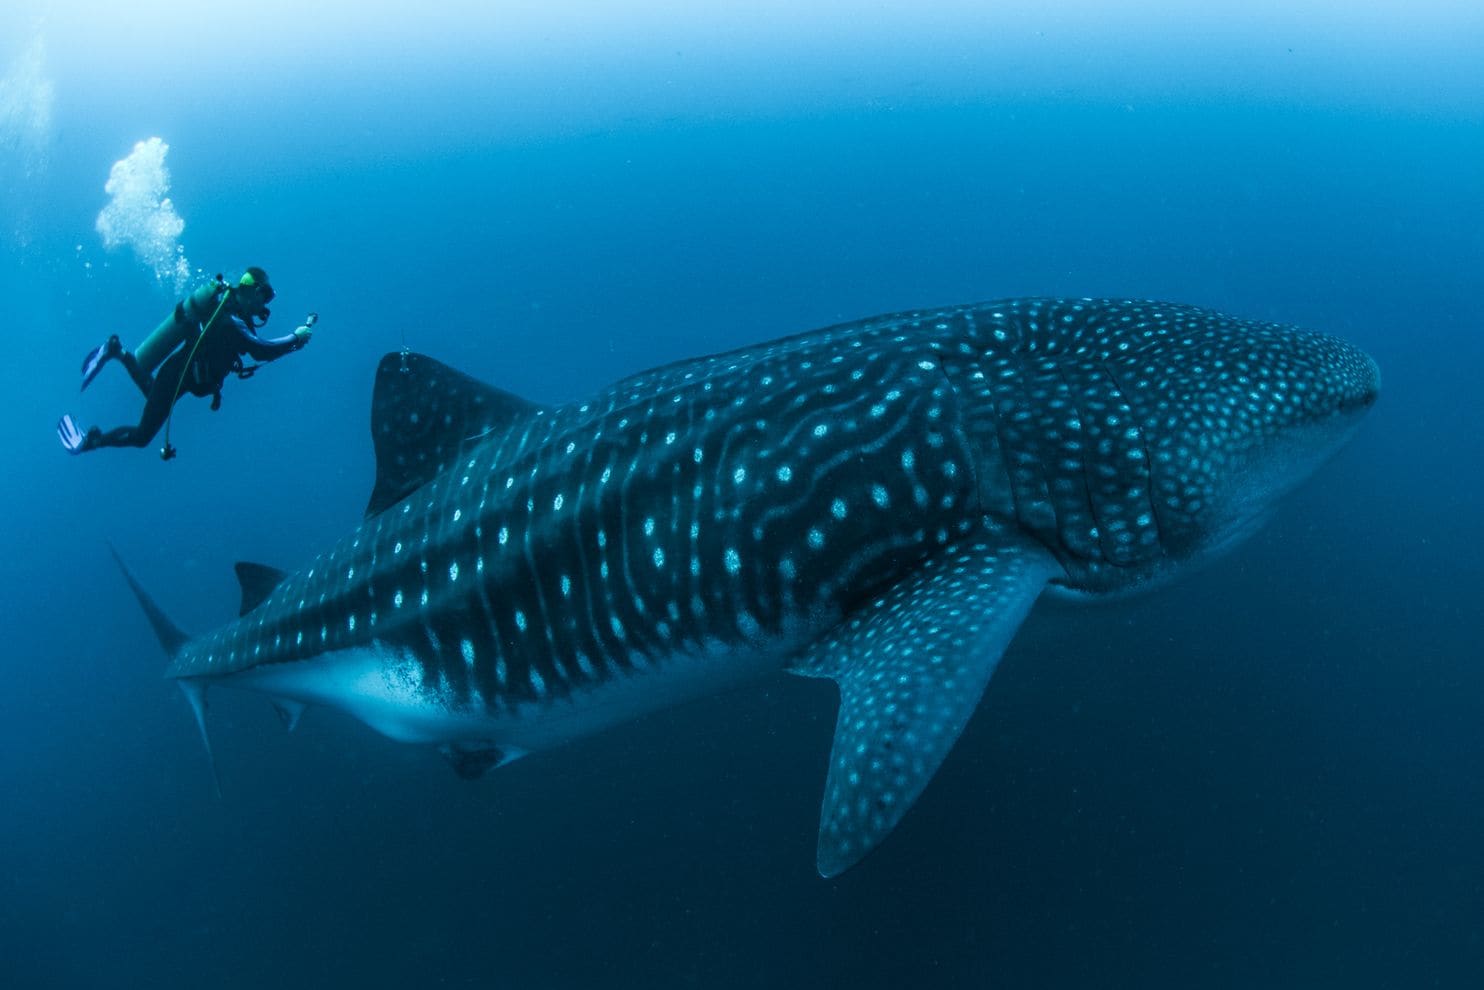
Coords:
879,503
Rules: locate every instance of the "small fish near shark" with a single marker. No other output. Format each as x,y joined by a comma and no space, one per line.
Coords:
879,503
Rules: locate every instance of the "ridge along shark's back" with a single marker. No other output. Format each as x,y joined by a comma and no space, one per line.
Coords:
879,503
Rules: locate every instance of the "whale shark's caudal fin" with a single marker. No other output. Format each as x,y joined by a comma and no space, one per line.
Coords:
911,667
172,639
170,636
422,412
195,691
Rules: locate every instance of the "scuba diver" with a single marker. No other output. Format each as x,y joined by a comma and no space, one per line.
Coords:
196,347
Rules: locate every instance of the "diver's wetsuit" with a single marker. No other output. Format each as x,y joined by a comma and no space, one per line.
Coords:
219,354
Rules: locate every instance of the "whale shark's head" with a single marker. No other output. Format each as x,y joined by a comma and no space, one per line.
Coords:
1234,415
1135,436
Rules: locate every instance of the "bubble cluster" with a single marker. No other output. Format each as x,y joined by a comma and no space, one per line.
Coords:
140,215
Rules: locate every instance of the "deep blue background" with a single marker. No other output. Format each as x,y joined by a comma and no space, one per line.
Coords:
1269,774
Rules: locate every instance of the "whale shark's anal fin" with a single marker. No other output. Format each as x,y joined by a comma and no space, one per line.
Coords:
289,712
422,412
472,760
911,667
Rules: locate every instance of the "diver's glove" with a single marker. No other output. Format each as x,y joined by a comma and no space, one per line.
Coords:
305,330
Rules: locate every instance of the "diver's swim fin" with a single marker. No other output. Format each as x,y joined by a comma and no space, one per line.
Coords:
74,440
98,357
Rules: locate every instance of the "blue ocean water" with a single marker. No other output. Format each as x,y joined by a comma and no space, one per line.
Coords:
1271,773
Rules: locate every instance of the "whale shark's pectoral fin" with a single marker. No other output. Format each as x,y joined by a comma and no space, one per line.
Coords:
911,667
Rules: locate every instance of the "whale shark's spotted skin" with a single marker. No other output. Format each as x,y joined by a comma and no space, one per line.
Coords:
669,514
878,502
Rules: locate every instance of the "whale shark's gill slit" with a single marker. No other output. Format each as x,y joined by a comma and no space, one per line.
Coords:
1142,439
1028,493
1004,455
1084,436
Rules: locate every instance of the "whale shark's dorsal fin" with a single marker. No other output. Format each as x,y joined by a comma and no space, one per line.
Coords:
422,412
911,666
258,582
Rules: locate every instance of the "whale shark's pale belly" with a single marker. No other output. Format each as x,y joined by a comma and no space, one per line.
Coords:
386,690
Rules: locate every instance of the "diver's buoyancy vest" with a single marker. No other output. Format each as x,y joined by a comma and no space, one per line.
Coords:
189,314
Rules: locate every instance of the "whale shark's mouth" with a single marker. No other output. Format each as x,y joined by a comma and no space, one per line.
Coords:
1357,381
1360,401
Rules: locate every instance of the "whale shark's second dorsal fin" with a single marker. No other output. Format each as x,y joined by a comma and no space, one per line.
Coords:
258,582
422,412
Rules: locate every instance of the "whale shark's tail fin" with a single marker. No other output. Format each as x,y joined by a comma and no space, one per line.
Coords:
172,639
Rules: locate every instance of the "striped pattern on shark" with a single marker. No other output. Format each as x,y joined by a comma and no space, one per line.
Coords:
879,503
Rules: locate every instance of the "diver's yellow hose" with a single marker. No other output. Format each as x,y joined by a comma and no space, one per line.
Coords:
165,453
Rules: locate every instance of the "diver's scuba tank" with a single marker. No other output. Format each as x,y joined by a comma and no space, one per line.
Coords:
174,328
